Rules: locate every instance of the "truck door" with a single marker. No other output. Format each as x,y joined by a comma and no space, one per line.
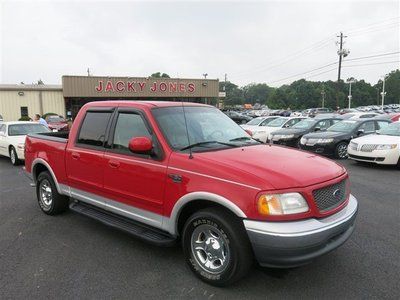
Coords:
84,156
134,183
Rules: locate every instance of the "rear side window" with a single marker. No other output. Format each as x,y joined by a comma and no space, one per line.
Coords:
93,129
128,125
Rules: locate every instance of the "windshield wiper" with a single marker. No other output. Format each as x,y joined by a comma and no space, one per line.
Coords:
241,138
199,144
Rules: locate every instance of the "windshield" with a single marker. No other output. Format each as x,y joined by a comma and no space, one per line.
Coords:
343,126
204,124
304,124
24,129
255,121
277,122
53,119
391,129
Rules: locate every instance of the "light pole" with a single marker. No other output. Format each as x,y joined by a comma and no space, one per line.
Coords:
350,81
383,93
323,98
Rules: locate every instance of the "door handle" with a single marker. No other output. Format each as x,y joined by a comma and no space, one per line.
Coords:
75,155
113,164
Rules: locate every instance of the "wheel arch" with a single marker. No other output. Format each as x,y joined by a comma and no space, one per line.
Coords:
192,202
39,165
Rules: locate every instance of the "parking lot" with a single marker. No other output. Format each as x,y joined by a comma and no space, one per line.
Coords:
71,256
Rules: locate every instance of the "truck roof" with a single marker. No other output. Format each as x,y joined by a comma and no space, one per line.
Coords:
138,103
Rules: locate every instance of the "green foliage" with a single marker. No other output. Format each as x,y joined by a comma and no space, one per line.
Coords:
24,118
159,75
302,94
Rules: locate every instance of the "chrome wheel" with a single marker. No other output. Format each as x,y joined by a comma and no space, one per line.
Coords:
342,150
210,249
46,194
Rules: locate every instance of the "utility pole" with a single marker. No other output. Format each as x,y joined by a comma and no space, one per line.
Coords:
323,97
342,53
383,93
350,81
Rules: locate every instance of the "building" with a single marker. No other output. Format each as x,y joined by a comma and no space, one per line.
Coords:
20,100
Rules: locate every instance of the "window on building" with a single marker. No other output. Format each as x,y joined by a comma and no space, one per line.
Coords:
24,111
93,129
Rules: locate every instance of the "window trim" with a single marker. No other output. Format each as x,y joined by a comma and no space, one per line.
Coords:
158,150
99,110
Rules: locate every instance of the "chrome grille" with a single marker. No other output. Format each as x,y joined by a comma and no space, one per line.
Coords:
368,147
331,196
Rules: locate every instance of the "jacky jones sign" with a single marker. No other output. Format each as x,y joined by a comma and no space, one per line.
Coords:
106,86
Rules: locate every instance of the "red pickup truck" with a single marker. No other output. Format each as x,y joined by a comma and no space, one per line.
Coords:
170,171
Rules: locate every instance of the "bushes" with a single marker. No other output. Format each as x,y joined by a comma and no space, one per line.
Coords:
25,118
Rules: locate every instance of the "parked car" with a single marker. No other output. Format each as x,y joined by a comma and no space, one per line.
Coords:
291,136
395,117
334,141
316,111
238,118
164,174
57,123
262,132
258,122
381,148
1,118
361,115
12,138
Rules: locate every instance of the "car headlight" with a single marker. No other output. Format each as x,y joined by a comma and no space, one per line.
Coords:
303,140
21,146
386,146
324,141
281,204
283,136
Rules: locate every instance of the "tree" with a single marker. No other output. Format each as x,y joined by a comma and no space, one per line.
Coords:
160,75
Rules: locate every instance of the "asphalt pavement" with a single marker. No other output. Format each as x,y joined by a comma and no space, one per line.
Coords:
73,257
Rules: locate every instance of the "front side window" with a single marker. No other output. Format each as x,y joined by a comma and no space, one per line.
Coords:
368,127
323,124
391,129
277,122
24,129
93,129
382,124
128,125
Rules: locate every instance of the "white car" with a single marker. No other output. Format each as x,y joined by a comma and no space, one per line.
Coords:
382,148
12,138
262,132
359,115
256,122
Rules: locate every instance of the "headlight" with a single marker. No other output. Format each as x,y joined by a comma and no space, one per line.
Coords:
283,136
386,146
21,146
281,204
303,140
324,141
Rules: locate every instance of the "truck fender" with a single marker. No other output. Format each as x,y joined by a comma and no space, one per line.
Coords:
171,225
40,161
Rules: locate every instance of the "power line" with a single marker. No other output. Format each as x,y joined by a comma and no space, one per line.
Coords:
372,56
372,64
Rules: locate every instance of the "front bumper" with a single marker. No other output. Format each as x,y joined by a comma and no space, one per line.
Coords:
287,142
291,244
384,157
323,149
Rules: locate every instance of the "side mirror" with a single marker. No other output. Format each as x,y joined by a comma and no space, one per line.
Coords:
360,131
140,145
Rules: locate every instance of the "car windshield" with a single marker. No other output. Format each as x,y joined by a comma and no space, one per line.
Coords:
255,121
391,129
24,129
53,119
207,128
343,126
277,122
304,124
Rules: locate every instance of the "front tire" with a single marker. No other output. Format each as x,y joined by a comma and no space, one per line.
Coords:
14,157
50,201
341,150
216,247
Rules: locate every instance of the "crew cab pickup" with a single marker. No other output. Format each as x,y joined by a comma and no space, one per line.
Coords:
171,171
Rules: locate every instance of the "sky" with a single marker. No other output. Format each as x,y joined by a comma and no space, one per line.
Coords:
273,42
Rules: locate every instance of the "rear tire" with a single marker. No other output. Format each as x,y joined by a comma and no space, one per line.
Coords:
216,246
341,150
50,201
14,157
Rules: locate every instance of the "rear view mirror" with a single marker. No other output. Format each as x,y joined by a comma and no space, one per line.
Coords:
141,145
360,131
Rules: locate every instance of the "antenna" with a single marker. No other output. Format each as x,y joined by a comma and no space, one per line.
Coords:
187,130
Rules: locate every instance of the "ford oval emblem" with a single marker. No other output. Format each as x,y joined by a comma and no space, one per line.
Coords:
336,193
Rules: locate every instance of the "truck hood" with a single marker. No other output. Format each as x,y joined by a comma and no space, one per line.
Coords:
377,139
274,166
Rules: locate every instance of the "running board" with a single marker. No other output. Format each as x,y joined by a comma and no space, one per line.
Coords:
139,230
